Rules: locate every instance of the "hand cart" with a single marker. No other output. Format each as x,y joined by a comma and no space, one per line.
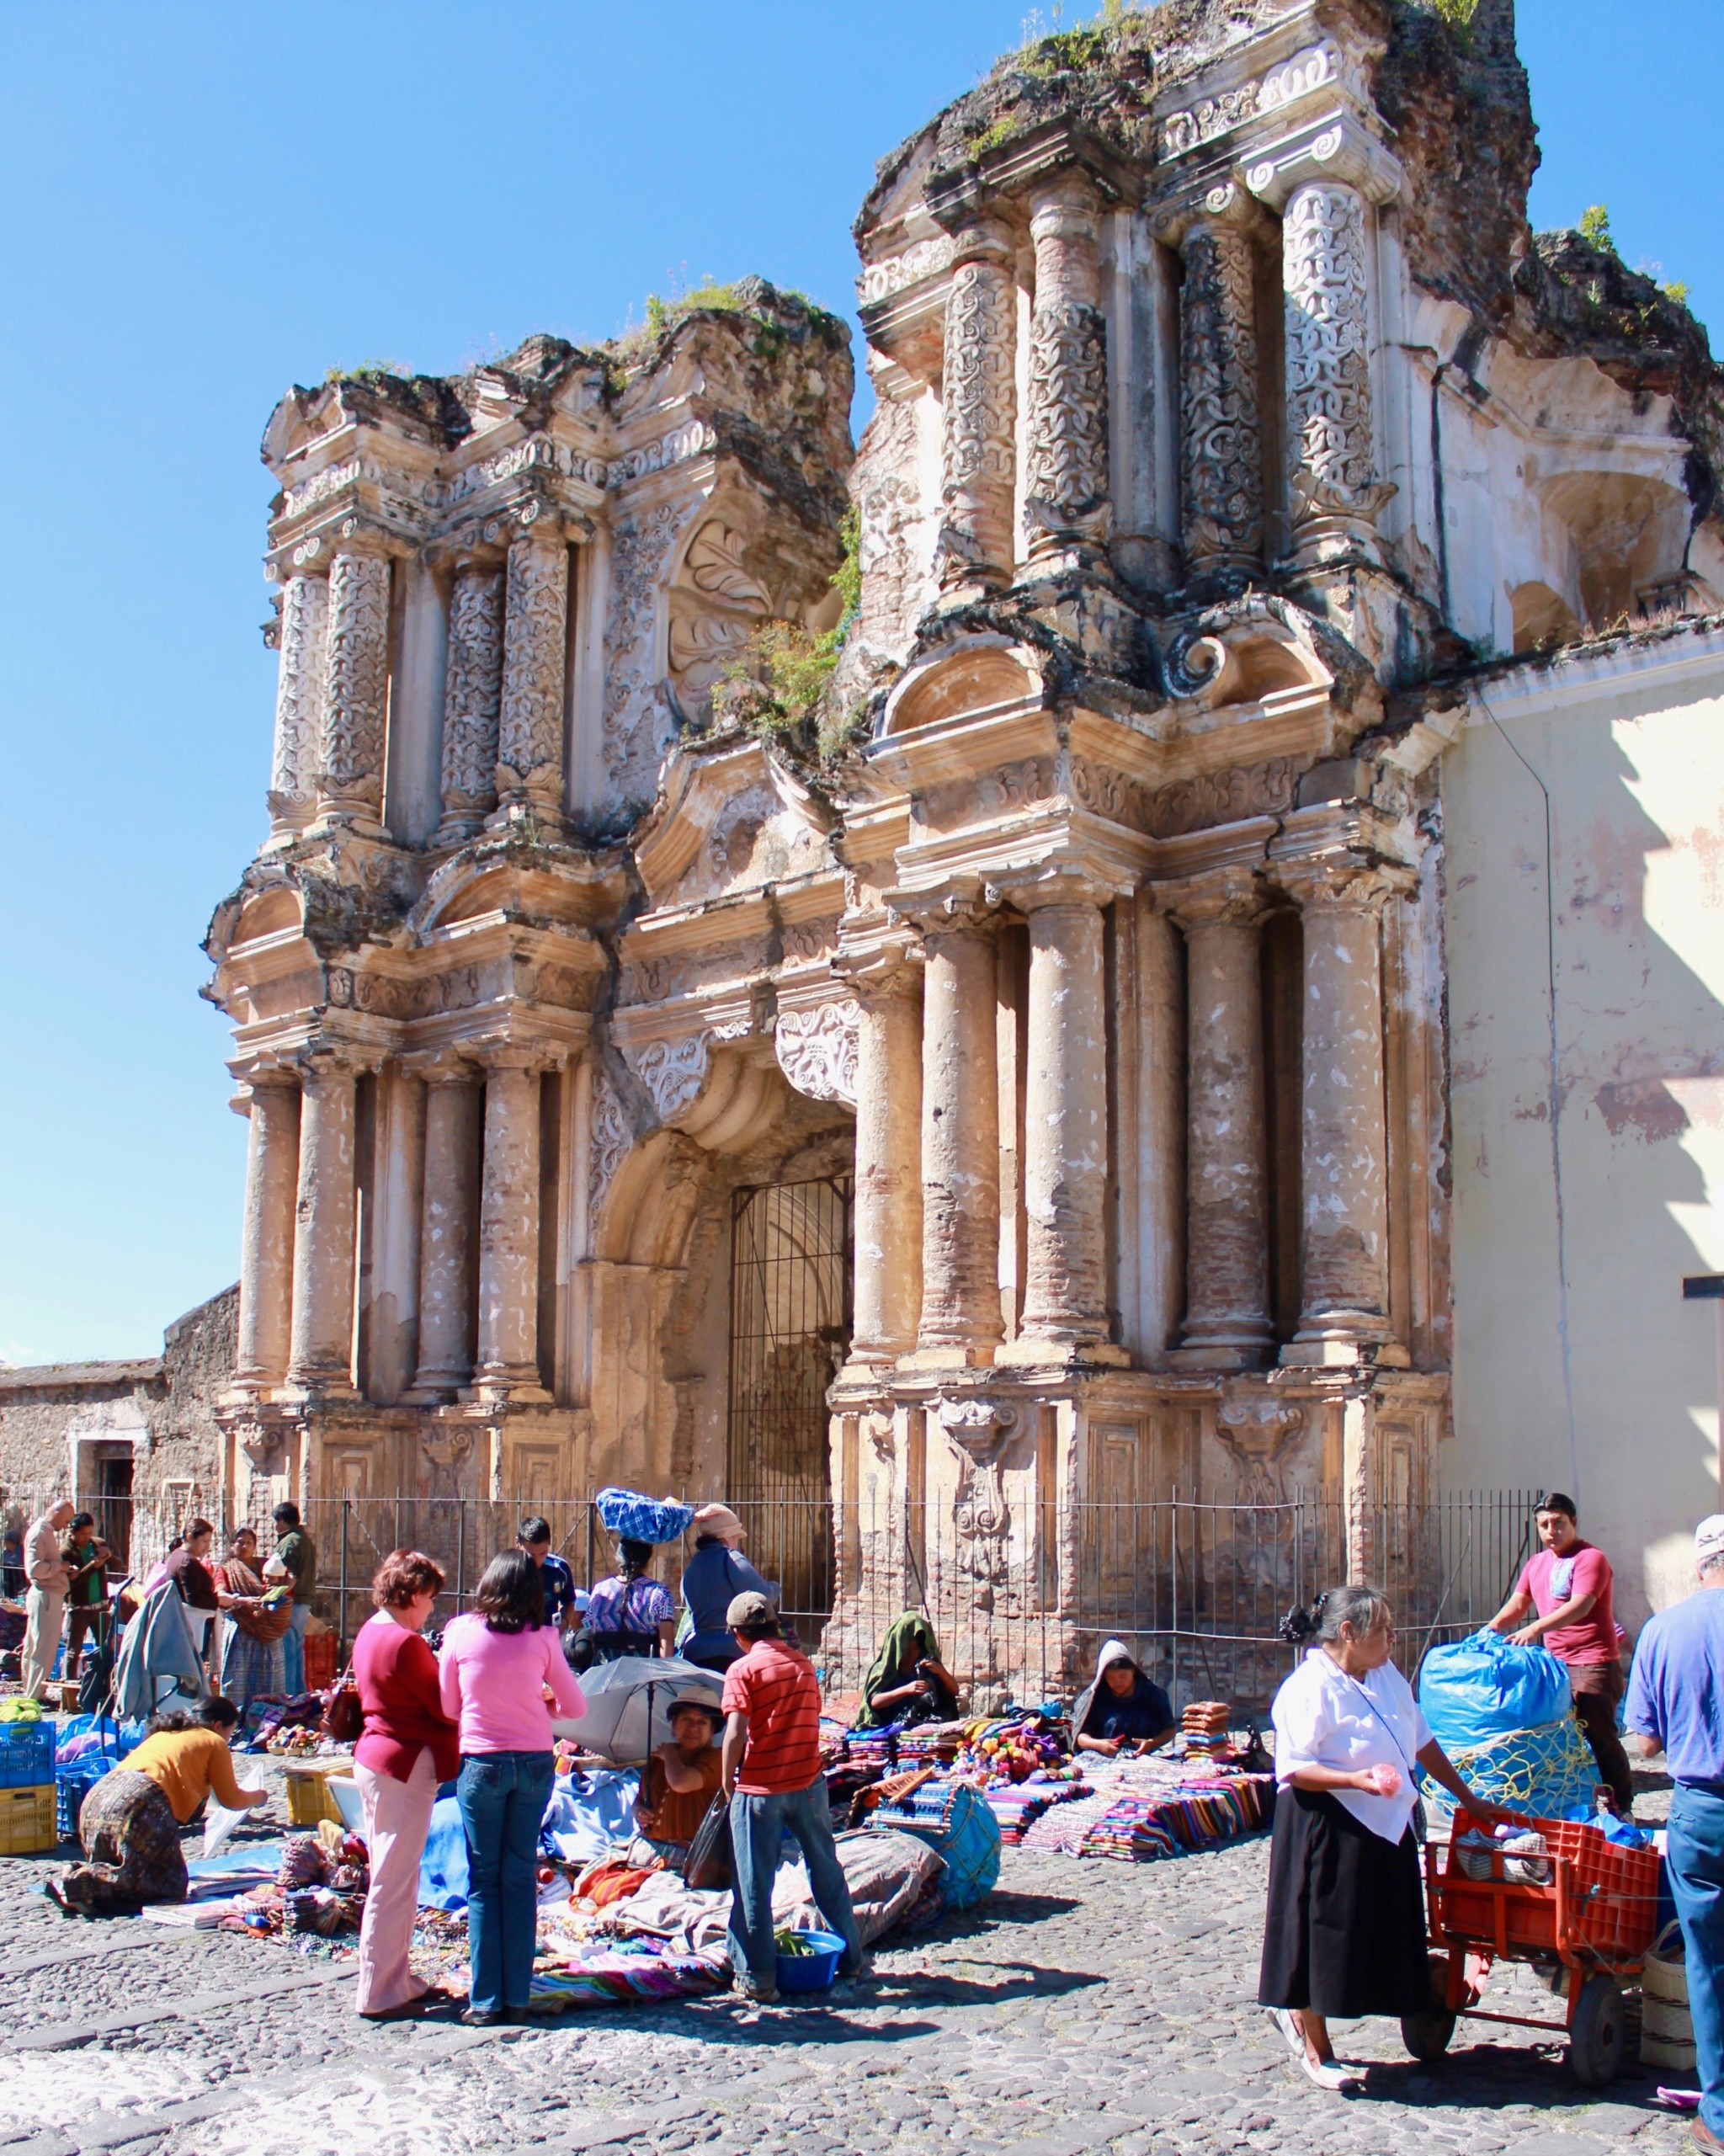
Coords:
1596,1918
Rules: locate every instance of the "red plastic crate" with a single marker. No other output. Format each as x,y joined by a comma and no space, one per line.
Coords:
1606,1907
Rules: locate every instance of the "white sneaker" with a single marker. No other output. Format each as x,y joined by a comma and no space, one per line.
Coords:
1331,2075
1290,2030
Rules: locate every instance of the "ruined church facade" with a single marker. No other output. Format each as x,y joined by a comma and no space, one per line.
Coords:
1039,1097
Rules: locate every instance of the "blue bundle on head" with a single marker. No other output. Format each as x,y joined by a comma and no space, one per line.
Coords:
644,1518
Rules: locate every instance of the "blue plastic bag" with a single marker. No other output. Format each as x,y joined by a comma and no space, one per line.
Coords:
1486,1687
643,1519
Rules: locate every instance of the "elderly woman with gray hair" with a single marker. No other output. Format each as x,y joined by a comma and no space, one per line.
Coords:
1344,1932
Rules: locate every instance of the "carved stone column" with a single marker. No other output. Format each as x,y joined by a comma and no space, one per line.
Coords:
322,1352
355,690
508,1223
472,699
299,705
888,1217
530,756
448,1242
267,1238
1343,1244
1226,1262
1065,1119
978,415
961,1144
1066,488
1222,461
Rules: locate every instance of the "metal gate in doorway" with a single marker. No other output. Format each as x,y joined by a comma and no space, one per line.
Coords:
790,1331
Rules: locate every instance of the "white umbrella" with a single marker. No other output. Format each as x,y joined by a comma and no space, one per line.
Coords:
629,1702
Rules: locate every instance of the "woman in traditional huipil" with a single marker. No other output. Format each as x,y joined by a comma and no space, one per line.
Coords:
1344,1932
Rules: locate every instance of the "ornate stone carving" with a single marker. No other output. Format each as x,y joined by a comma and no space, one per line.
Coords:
299,697
1257,1431
672,1072
1066,467
472,699
1223,440
1311,70
979,412
356,685
612,1140
1332,493
650,980
921,259
713,565
816,1050
1223,797
886,489
535,644
810,940
982,1519
637,718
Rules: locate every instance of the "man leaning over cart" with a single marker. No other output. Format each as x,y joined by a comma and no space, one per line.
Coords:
1676,1702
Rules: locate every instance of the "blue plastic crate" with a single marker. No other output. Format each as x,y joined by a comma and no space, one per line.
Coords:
72,1785
26,1754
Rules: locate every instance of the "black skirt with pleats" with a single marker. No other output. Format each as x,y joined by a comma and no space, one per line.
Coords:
1344,1932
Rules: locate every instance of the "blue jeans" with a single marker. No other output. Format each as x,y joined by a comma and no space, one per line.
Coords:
293,1649
502,1795
757,1826
1694,1858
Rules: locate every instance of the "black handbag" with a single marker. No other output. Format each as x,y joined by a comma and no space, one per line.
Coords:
709,1864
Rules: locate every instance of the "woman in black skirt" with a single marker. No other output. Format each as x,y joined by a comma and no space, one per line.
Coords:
1345,1932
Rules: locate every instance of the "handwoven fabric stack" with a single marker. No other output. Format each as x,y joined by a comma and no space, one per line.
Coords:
1204,1725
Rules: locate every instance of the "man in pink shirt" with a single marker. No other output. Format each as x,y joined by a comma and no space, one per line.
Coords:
1568,1584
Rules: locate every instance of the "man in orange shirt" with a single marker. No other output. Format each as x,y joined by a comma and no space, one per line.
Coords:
771,1774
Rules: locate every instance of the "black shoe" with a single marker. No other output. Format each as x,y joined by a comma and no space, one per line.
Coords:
478,2017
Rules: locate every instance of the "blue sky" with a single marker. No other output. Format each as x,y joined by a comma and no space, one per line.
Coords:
205,204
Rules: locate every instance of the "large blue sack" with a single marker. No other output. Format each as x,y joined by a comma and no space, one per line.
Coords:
1485,1687
643,1519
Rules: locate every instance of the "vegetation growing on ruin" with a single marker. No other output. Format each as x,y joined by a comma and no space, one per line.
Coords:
1458,14
778,688
1595,226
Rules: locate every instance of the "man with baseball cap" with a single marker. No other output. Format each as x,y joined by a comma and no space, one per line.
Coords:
773,1778
1676,1701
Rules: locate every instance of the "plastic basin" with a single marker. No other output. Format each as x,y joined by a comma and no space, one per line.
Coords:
815,1970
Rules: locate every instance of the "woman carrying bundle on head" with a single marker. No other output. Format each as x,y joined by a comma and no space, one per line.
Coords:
1344,1931
630,1613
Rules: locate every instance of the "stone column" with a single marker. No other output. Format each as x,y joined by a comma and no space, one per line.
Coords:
355,691
1343,1244
529,755
1066,489
508,1222
888,1217
299,705
1221,465
447,1230
267,1238
961,1143
978,415
1227,1258
472,698
322,1353
1065,1119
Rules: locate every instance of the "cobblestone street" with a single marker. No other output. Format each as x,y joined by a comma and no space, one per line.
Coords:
1087,2006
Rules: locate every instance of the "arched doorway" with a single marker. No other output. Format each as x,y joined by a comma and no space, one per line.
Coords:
790,1316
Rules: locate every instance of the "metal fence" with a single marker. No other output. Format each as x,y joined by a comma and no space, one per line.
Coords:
1195,1586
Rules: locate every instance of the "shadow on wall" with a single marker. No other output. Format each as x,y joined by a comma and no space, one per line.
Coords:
1585,932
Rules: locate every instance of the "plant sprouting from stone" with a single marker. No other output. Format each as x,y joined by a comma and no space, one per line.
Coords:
1676,291
1595,227
1458,15
778,687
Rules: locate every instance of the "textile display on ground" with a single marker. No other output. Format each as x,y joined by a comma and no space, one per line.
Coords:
1171,1804
1546,1773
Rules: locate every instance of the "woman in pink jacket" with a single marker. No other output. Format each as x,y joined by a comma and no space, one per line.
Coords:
498,1663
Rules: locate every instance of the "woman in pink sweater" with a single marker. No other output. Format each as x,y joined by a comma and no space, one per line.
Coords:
498,1663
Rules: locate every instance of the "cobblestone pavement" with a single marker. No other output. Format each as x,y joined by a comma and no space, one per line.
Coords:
1089,2006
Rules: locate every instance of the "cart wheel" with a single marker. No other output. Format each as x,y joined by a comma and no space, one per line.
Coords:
1428,2036
1595,2033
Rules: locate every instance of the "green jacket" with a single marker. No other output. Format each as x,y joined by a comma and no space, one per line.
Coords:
298,1553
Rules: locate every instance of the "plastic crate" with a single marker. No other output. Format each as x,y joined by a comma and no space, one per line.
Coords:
72,1785
308,1798
26,1754
1608,1899
27,1820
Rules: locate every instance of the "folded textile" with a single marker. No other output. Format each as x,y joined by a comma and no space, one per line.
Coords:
644,1518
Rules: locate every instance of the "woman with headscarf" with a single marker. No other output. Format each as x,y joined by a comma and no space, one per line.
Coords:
1345,1929
906,1681
1123,1710
628,1613
712,1579
252,1666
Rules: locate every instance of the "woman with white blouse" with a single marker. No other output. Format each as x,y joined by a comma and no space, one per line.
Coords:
1344,1932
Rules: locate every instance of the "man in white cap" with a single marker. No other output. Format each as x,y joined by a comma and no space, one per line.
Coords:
1676,1703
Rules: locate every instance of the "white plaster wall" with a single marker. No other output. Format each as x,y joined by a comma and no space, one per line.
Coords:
1624,1413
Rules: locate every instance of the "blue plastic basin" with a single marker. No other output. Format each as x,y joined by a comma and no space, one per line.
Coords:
813,1972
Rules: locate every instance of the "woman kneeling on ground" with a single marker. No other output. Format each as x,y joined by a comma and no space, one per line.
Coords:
498,1660
130,1821
1344,1931
407,1747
